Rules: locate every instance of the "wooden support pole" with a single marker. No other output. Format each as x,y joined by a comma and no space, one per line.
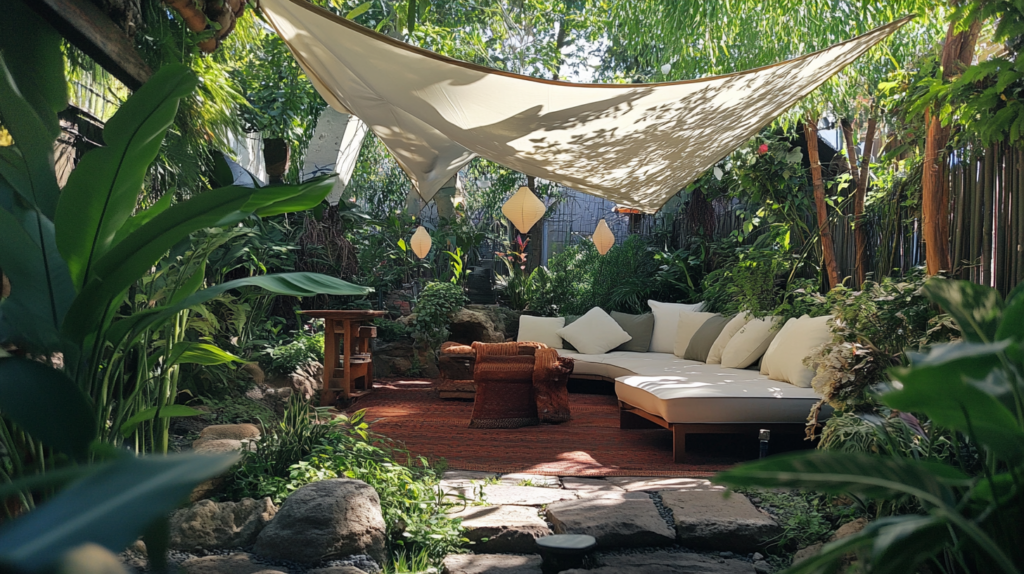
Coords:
860,235
827,247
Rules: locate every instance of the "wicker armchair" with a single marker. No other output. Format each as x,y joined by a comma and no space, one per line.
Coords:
457,361
550,379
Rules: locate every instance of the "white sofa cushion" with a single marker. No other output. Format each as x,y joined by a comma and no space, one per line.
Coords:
731,328
784,359
594,333
688,324
710,394
666,322
747,345
541,330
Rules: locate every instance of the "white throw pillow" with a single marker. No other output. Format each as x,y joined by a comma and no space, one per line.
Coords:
688,324
784,359
541,330
595,333
666,322
730,330
747,345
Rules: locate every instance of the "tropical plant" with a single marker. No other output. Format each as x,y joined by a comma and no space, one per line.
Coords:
969,517
72,255
434,310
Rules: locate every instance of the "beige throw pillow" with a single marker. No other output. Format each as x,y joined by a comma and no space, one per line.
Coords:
731,328
747,346
541,330
595,333
666,321
784,359
688,324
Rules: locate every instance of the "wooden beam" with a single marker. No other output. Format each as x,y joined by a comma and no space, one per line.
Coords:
86,26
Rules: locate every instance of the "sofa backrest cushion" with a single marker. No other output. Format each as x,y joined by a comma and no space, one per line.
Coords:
689,322
704,338
568,321
594,333
728,332
747,345
798,338
541,330
639,327
666,322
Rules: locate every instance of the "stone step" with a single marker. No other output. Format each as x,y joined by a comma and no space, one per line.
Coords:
526,479
507,529
590,484
614,522
491,564
649,484
708,520
666,563
506,494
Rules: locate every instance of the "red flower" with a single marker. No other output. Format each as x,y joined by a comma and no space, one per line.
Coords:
763,149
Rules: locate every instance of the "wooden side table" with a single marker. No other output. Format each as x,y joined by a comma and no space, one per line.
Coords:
348,362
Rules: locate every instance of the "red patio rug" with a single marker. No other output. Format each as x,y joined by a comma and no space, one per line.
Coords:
591,444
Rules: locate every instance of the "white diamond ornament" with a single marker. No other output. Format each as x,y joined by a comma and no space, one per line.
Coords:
666,68
523,209
421,242
603,237
718,173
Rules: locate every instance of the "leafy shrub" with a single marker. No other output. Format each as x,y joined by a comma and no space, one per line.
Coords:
306,447
287,358
388,330
434,310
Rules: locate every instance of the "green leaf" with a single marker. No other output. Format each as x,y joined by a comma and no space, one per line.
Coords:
190,286
976,308
864,475
33,138
103,190
278,199
110,507
142,217
133,257
1011,325
47,405
293,284
359,10
201,354
32,50
164,412
41,289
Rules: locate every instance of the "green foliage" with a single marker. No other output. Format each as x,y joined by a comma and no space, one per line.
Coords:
437,304
233,410
389,331
288,358
308,447
970,518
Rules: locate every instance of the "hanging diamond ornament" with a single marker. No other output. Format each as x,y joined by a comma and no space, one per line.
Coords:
603,237
420,242
523,209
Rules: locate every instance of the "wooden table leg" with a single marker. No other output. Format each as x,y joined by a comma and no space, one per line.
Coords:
330,362
346,360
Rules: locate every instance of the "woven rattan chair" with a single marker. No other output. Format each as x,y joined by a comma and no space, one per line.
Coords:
457,361
504,387
550,379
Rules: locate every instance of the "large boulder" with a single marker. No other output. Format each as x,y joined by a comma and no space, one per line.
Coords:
502,529
614,522
471,325
403,358
209,525
325,520
241,563
244,431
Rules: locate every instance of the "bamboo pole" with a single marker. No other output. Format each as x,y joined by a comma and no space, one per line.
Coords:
827,247
860,260
958,225
977,180
1019,237
986,216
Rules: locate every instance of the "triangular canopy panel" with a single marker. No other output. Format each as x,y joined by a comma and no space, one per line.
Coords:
634,144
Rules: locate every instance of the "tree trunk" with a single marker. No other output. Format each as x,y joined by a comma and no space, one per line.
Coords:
827,247
860,235
957,53
851,149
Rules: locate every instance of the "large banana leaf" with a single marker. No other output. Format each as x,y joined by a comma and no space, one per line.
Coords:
46,404
130,259
29,169
865,475
103,190
293,284
110,507
41,289
162,412
958,386
35,60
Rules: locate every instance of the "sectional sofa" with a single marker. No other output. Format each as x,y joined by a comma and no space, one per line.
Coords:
673,381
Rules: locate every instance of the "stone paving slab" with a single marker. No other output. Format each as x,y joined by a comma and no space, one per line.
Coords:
667,563
708,520
518,478
228,564
491,564
652,484
616,494
505,494
508,529
467,476
589,484
614,522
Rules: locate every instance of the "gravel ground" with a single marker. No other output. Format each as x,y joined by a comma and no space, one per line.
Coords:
664,511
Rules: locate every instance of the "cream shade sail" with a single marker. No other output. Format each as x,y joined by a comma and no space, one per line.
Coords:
634,144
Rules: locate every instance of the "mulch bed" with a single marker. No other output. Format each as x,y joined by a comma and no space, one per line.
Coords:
591,444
